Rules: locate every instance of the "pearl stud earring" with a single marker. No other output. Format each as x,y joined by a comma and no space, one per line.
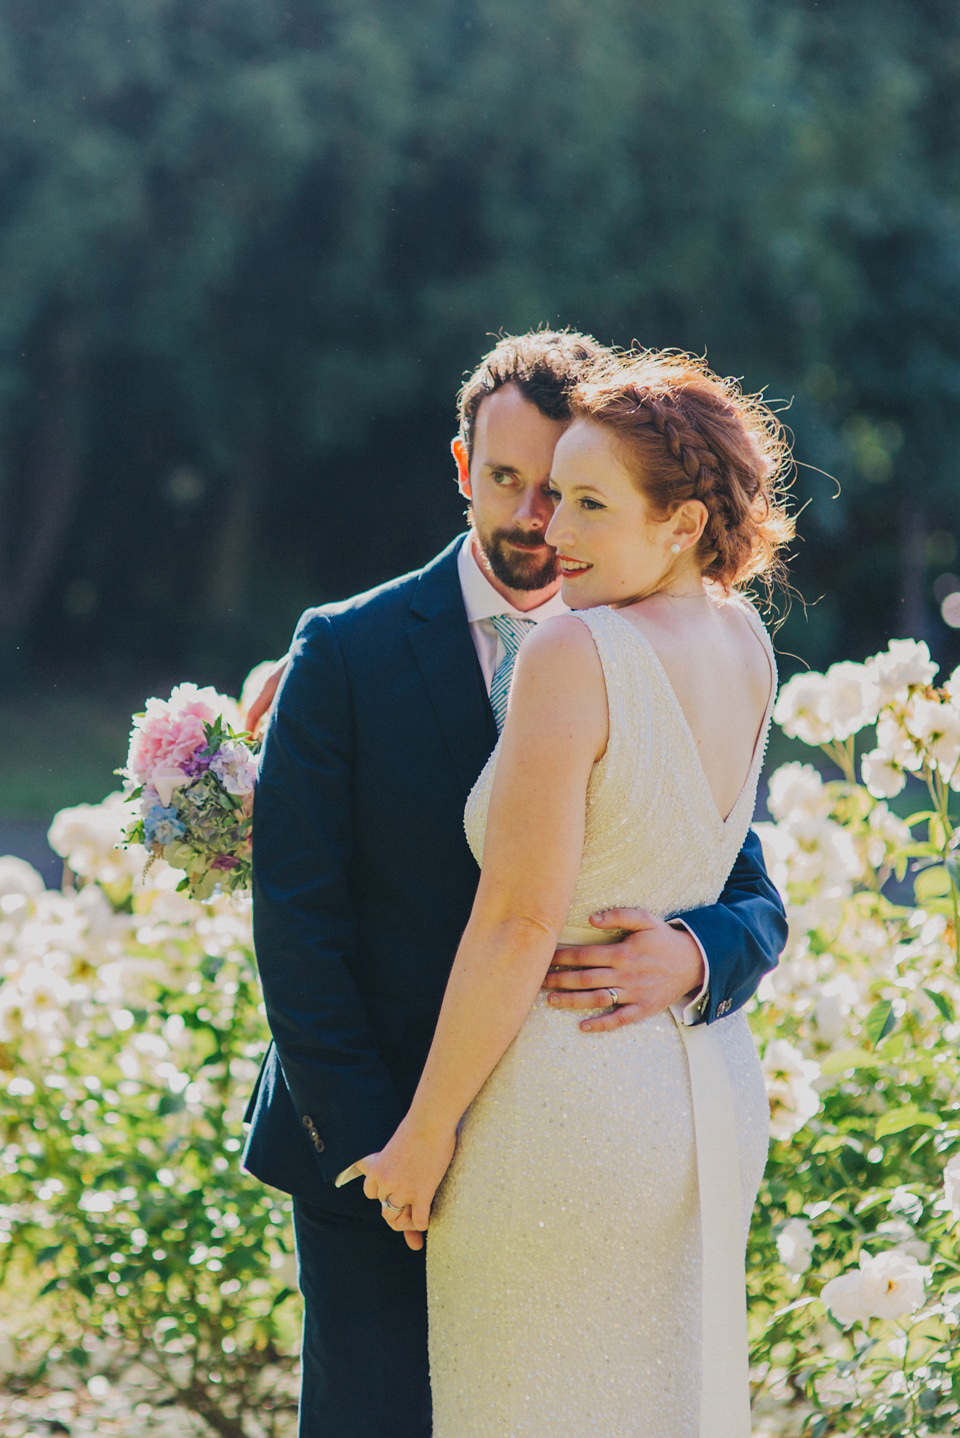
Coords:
674,549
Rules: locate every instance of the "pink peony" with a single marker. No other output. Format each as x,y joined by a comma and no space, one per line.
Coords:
170,732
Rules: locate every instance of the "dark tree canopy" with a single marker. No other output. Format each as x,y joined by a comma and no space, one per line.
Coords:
249,249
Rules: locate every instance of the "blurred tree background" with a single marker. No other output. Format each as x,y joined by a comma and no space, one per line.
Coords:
249,247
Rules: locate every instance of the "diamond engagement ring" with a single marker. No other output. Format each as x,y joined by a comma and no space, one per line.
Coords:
614,998
397,1207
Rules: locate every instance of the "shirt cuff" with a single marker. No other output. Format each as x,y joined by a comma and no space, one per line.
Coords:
695,1007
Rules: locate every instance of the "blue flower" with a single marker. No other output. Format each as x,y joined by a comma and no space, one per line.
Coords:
162,826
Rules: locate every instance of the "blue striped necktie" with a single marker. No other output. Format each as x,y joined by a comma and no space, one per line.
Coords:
512,632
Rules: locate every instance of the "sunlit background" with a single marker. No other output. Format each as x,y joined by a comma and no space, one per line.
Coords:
248,249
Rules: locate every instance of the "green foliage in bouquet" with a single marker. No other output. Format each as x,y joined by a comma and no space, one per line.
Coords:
130,1035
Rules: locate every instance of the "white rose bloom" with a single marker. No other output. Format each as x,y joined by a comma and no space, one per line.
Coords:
888,827
881,775
944,740
778,847
128,981
789,1078
952,686
827,854
852,698
894,739
905,664
951,1185
18,877
835,1001
824,910
794,981
906,1241
88,836
922,718
54,929
936,728
225,930
795,1245
800,709
889,1285
97,1201
796,787
35,1001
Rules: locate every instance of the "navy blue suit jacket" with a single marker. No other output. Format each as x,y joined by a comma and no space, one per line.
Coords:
363,881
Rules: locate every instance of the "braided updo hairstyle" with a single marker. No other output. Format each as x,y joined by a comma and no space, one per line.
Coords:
684,433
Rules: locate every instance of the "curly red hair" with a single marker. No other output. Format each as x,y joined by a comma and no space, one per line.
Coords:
685,433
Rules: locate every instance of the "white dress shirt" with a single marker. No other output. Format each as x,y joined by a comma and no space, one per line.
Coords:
482,601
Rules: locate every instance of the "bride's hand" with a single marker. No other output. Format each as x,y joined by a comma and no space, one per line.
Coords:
404,1176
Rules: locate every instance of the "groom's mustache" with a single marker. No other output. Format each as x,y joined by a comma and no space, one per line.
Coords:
521,540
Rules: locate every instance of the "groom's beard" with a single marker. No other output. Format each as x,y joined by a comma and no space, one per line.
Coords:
510,565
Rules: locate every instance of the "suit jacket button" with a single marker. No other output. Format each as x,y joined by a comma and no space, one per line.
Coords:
318,1143
307,1121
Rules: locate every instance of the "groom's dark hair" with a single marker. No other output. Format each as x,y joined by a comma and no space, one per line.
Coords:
545,365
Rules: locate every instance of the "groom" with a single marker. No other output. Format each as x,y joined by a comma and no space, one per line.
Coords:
363,883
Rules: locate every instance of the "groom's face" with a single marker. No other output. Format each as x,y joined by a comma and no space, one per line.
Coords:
506,483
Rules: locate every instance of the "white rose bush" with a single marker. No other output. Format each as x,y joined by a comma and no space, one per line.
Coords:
130,1240
131,1030
854,1256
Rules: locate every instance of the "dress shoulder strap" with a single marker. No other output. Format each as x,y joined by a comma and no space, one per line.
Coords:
626,674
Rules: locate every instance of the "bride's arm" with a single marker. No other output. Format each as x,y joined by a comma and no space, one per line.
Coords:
556,729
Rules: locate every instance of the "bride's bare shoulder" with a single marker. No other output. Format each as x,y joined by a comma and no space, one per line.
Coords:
559,675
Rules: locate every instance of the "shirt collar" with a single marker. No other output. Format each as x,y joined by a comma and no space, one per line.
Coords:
482,601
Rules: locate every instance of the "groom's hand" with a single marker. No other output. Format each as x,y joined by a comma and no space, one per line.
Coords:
652,967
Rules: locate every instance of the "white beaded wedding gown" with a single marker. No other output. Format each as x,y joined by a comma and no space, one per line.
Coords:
576,1283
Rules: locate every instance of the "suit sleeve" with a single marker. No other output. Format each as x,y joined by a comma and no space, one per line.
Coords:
742,935
305,924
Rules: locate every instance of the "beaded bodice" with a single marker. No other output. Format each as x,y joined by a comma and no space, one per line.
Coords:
654,838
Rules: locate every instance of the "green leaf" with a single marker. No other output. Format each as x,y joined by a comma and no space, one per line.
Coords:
879,1022
830,1142
843,1060
932,883
942,1003
909,1116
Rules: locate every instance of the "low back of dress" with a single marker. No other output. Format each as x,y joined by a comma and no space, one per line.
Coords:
654,838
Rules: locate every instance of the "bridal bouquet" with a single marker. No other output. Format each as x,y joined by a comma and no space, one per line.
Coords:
192,774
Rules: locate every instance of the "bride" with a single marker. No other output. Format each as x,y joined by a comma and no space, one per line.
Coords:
585,1249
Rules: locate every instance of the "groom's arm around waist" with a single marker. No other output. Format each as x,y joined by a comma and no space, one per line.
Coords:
742,935
305,924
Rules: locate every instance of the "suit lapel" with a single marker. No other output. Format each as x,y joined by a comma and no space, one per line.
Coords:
443,649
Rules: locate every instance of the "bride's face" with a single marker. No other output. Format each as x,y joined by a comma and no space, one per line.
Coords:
609,546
